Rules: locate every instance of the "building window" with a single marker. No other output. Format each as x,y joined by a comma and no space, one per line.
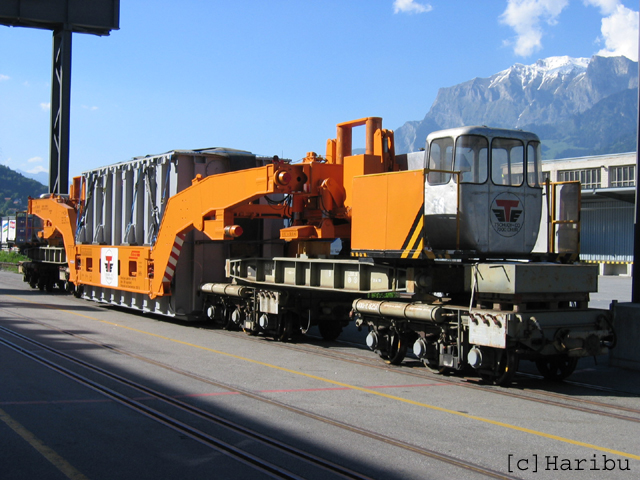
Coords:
589,177
623,176
545,176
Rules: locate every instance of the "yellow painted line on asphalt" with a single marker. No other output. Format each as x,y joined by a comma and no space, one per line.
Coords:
360,389
60,463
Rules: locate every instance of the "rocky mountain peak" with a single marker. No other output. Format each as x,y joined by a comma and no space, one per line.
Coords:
548,92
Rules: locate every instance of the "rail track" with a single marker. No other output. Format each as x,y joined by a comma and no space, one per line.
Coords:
531,394
204,438
274,470
522,393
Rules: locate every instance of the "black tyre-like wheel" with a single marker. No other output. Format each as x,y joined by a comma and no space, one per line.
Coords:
329,330
506,371
396,351
507,368
287,326
227,321
556,369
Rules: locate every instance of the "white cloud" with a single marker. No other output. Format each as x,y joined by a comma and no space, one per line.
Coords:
619,29
607,7
4,77
35,160
45,106
38,169
93,109
526,18
410,6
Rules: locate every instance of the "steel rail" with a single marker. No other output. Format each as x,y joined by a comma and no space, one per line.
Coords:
216,419
255,396
176,425
467,382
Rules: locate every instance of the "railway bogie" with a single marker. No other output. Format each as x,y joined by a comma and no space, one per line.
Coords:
452,337
280,314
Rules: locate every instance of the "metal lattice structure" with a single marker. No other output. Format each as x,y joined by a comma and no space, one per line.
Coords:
63,17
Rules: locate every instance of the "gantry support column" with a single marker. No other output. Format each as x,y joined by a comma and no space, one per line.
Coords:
60,111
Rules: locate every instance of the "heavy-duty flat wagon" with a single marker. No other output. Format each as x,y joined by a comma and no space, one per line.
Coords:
460,252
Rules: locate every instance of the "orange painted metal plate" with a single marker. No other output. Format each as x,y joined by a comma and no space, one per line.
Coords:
385,209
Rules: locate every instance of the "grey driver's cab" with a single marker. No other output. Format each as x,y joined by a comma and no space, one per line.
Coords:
483,190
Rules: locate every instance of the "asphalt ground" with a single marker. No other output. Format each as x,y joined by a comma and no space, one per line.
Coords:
53,427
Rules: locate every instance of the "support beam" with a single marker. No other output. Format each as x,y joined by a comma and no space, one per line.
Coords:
635,271
60,112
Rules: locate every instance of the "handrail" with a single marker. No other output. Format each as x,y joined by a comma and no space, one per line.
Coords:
552,192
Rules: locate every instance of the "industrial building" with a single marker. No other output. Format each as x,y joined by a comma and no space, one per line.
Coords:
608,196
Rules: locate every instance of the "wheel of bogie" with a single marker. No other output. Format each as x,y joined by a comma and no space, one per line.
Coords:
227,321
329,330
396,351
286,327
507,368
556,368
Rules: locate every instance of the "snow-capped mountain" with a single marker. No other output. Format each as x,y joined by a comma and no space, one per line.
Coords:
554,92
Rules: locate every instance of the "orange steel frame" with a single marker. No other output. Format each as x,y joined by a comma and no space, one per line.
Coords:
320,208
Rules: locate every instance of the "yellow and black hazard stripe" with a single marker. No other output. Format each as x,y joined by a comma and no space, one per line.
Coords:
413,244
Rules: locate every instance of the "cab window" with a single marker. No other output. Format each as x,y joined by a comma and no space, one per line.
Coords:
441,160
472,158
507,161
534,165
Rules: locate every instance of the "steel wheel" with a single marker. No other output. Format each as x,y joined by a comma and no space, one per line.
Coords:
505,371
396,349
507,368
329,330
556,368
227,323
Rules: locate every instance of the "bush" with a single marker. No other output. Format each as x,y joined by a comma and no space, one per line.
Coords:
12,257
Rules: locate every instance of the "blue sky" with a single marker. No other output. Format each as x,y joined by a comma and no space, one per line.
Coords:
275,76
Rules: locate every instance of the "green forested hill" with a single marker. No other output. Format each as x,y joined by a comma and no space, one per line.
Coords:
14,190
